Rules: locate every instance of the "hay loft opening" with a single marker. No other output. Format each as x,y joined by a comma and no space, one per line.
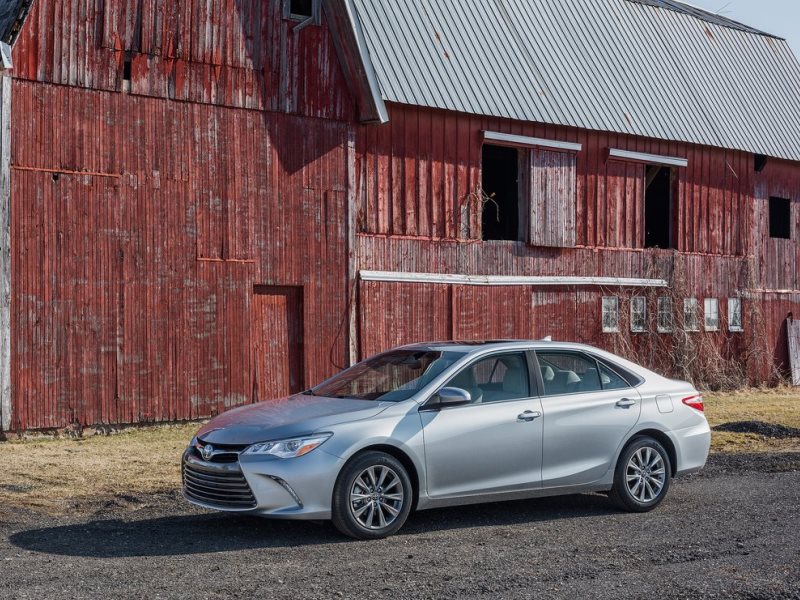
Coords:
659,206
780,218
501,205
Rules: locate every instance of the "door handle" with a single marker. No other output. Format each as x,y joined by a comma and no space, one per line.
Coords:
626,403
529,416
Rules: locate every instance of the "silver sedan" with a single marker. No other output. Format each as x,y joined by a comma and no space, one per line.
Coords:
443,424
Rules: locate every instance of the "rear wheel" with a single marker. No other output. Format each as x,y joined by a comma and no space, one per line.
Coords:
372,497
642,477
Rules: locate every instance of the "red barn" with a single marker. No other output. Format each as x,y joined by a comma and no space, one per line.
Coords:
203,204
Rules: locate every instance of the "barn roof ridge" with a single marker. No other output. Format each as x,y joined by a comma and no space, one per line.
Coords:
703,14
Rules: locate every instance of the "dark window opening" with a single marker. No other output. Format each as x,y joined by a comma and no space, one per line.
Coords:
301,9
658,207
126,68
759,162
780,218
501,193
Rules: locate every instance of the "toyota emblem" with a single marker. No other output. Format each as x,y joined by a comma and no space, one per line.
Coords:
207,452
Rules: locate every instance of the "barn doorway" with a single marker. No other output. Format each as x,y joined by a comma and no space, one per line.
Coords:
277,342
659,207
500,183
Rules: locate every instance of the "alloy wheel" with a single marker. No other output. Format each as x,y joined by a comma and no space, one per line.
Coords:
645,474
376,497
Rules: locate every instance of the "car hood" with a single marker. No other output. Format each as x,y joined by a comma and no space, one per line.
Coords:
288,417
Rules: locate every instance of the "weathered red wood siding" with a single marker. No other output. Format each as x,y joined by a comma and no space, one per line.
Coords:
778,260
418,208
238,53
422,169
144,221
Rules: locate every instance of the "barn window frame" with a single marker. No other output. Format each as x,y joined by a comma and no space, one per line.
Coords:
665,315
711,314
639,314
655,167
509,216
610,314
312,17
780,218
691,315
532,152
735,323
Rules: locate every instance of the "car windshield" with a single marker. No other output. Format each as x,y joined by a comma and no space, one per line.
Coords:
390,377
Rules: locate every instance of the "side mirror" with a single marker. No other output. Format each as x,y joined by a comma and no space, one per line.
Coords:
452,396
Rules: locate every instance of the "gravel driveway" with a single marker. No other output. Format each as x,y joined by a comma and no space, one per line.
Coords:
732,531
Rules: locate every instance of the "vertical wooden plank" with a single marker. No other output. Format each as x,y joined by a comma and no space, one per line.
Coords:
793,329
553,199
5,253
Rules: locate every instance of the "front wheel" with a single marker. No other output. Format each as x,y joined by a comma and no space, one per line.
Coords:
642,478
372,497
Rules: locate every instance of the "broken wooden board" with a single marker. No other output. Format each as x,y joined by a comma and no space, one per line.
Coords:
793,330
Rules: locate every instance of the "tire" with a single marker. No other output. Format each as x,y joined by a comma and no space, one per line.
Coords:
642,467
372,497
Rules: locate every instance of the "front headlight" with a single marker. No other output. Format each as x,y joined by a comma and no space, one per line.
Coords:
289,448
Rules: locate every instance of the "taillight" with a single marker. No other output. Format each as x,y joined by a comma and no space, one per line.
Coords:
695,402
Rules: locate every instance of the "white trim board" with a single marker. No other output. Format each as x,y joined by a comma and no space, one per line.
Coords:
530,142
508,280
650,159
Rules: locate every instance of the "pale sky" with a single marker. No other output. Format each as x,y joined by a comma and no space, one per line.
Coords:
778,17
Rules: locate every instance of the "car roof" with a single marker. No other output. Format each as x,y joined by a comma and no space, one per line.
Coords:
472,346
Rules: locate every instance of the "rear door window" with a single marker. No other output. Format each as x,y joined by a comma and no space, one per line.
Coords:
569,373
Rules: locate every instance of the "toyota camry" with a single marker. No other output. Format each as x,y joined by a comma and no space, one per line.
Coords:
443,424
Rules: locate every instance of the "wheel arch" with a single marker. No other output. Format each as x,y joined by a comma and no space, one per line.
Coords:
403,458
663,439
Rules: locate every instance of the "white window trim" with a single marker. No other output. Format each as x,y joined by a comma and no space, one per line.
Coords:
524,141
707,312
643,328
603,314
692,304
735,328
659,326
649,159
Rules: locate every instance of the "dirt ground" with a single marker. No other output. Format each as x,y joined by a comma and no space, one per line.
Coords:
102,516
729,532
62,475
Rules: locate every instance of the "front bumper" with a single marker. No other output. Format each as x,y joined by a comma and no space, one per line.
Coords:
295,488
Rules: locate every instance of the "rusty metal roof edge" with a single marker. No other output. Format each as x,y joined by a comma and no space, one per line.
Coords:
350,42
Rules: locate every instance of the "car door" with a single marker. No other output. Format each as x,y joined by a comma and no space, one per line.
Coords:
588,409
492,444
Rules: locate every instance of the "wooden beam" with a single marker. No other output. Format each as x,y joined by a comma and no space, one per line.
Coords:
509,280
5,252
523,141
648,159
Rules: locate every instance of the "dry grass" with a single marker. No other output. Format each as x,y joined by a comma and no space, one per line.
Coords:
58,476
779,406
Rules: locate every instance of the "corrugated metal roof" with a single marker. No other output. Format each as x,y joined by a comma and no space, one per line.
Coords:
705,15
625,66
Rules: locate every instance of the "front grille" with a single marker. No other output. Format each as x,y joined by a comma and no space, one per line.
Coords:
219,488
222,453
